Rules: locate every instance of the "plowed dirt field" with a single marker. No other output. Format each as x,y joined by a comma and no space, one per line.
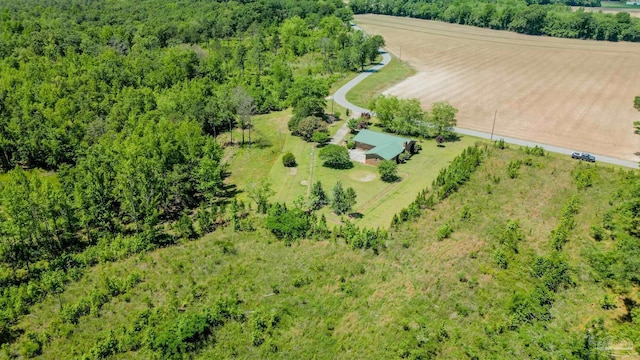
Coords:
572,93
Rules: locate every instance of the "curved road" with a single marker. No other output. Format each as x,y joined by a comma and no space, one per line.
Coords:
340,98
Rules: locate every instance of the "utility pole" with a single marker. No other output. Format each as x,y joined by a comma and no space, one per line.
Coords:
494,123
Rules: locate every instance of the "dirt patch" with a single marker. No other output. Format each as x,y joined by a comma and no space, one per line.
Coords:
293,171
367,178
576,94
363,176
304,183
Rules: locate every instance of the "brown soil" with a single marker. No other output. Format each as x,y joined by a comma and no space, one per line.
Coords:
572,93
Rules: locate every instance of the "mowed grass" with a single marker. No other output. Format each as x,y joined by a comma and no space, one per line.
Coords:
372,86
377,201
420,294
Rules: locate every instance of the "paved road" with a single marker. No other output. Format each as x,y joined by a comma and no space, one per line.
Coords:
340,98
551,148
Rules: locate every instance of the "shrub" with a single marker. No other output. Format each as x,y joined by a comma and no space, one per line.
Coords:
320,137
536,151
444,232
403,157
608,302
336,157
287,224
308,126
513,167
289,160
596,232
584,176
500,144
500,258
351,144
388,170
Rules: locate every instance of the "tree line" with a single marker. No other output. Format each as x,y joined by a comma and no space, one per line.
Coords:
551,18
73,71
121,104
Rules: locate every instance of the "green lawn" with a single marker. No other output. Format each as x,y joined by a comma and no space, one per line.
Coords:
377,201
389,75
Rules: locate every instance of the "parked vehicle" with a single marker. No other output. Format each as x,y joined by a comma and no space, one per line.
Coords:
583,156
588,157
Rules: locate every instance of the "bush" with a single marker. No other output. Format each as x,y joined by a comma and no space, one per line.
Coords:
513,167
287,224
388,170
500,258
308,126
444,232
403,157
500,144
320,137
536,151
596,232
336,157
351,144
289,160
584,176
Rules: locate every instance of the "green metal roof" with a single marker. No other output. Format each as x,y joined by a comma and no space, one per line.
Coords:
386,146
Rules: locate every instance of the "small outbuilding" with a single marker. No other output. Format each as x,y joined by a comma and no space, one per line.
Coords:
380,146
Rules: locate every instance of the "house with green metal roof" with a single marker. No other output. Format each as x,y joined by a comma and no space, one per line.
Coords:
380,146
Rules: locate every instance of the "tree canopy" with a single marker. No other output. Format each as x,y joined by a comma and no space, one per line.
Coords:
532,17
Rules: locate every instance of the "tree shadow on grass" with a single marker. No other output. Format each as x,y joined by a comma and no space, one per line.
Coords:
356,215
629,305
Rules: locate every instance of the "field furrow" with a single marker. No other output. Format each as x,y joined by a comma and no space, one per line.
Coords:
569,93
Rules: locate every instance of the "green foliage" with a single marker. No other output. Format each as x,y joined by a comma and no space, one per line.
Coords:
500,258
636,103
536,150
448,181
560,235
608,302
336,157
404,117
189,332
388,170
319,198
307,127
358,238
320,137
509,236
442,118
288,224
597,232
532,18
552,271
356,125
500,144
184,227
343,200
583,176
351,144
444,232
513,167
260,194
289,160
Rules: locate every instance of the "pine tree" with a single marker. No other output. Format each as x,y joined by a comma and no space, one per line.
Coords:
318,196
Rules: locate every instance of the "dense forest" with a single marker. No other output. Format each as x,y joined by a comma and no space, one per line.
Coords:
110,114
549,18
